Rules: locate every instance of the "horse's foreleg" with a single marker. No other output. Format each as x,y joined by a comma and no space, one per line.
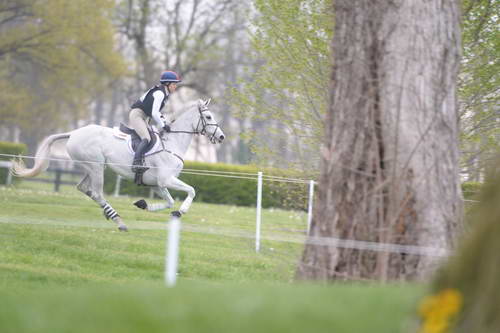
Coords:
162,193
177,184
92,187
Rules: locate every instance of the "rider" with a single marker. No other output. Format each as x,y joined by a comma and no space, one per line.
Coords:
149,106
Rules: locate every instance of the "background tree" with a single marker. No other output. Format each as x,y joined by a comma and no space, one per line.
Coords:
285,92
55,54
478,86
264,92
197,38
389,169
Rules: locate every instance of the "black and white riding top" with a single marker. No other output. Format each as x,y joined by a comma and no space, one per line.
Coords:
152,102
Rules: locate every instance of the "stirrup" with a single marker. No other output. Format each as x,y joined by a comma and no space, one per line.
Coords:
139,168
138,177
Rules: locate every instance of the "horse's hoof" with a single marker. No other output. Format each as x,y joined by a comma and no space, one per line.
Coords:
176,213
122,227
142,204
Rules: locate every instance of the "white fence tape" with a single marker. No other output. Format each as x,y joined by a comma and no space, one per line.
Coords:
239,233
380,247
226,174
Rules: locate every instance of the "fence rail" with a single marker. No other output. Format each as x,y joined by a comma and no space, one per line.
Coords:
57,180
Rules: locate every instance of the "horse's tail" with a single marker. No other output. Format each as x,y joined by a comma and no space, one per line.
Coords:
41,164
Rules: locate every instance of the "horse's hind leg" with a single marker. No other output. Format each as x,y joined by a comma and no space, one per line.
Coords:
162,193
92,185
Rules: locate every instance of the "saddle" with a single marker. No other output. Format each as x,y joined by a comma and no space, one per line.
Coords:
136,139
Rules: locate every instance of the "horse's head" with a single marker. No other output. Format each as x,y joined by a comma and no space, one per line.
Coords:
207,125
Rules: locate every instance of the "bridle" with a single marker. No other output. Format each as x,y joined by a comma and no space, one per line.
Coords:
201,121
204,125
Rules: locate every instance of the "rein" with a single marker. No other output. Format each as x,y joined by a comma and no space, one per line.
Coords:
197,131
163,149
204,125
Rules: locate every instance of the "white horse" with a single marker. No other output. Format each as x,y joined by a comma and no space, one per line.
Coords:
96,146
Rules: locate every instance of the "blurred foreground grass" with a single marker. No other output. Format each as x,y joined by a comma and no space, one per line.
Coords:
211,307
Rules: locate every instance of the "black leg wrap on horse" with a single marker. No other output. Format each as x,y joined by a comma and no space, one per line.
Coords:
176,213
109,212
142,204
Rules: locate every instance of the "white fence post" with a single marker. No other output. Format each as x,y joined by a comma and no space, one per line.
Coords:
7,165
310,208
9,178
172,256
259,209
117,185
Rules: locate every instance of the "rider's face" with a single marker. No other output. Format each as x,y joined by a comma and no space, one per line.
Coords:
172,87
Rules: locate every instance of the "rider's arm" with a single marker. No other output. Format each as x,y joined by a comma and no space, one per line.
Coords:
155,111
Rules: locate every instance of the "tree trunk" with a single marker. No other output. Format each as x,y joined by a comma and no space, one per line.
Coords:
112,121
98,110
389,169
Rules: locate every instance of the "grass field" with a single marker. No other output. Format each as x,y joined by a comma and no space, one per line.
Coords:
64,268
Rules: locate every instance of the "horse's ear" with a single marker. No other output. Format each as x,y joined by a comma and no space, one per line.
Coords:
208,101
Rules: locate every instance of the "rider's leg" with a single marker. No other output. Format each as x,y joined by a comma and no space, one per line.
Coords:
137,120
138,163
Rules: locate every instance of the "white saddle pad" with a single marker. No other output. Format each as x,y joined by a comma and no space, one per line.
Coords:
128,139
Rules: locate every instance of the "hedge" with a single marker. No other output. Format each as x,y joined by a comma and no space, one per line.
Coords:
224,190
9,148
237,191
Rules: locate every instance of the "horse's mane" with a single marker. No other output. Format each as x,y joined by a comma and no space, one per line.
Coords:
179,111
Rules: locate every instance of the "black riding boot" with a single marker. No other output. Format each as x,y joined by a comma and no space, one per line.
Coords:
138,165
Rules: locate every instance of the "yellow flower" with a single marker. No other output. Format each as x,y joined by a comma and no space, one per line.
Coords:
434,326
438,310
451,301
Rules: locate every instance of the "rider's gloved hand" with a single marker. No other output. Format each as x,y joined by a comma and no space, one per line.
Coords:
166,128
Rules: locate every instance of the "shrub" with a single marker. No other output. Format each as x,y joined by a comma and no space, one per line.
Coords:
471,190
9,148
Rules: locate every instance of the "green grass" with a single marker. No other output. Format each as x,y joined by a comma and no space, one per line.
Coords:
65,236
64,268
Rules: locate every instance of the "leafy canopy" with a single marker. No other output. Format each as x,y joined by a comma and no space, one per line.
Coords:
54,54
288,92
